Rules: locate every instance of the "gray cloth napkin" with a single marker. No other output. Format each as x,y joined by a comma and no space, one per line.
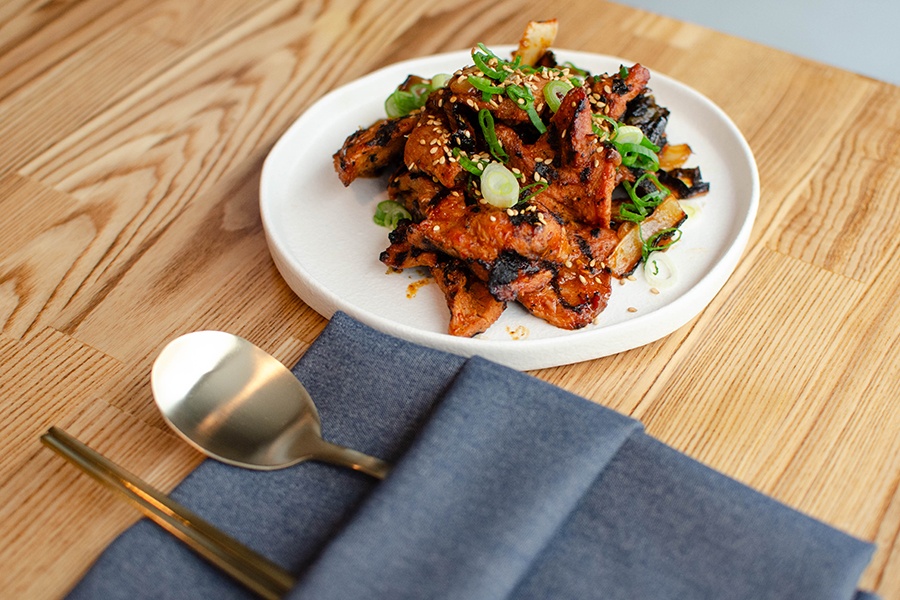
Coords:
504,487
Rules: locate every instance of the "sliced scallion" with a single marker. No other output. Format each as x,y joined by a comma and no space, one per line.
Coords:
628,134
640,207
389,213
499,186
400,104
638,156
522,96
486,121
532,189
670,235
485,86
659,270
475,167
440,80
555,91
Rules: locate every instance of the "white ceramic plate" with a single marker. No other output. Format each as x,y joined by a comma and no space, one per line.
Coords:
324,243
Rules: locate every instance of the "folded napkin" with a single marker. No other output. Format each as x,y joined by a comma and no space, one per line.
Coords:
503,487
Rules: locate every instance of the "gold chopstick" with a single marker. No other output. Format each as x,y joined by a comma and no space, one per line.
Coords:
253,570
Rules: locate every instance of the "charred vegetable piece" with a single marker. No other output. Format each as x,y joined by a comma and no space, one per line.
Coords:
630,249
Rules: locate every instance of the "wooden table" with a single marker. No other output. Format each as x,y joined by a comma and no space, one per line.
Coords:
131,139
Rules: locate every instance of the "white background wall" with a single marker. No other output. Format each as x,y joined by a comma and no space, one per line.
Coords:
862,36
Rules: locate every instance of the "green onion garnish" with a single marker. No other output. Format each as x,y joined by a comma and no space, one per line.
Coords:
636,150
521,95
640,207
440,80
481,61
638,156
538,187
486,121
499,186
389,213
574,69
649,246
485,87
472,166
659,270
605,134
555,91
402,102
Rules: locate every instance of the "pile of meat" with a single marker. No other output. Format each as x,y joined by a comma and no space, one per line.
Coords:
551,254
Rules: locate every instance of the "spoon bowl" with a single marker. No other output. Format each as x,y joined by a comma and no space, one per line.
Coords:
238,404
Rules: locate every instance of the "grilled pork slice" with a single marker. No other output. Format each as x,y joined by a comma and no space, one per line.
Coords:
581,172
417,192
476,232
403,255
612,92
573,299
367,152
472,307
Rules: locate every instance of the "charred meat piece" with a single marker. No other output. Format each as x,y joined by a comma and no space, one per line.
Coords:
402,255
472,307
418,192
615,92
482,233
579,169
572,300
511,275
428,150
367,152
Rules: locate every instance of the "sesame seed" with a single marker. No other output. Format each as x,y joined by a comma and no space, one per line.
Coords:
493,219
632,309
653,290
436,228
593,262
582,279
632,278
568,264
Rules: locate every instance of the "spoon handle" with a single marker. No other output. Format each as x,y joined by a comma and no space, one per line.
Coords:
347,457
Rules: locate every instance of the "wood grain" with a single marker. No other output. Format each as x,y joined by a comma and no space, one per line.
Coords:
132,134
